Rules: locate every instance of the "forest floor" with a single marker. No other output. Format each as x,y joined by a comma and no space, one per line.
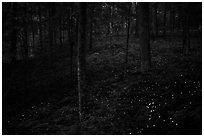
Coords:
119,99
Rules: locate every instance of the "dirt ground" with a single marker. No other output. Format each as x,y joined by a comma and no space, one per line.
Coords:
118,98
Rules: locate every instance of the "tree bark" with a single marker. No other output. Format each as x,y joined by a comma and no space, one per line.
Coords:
25,33
144,36
32,30
60,30
81,57
91,27
40,27
110,25
136,25
186,29
164,21
172,18
50,27
128,29
71,42
13,47
156,21
153,21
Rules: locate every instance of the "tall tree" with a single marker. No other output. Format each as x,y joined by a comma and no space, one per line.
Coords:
128,29
153,20
81,57
156,20
144,36
172,17
13,47
164,20
26,44
40,27
60,27
136,25
50,26
111,23
186,28
91,25
71,38
32,27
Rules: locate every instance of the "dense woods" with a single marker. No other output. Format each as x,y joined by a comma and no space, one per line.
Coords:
101,68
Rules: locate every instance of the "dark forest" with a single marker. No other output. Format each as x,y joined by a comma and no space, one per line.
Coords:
101,68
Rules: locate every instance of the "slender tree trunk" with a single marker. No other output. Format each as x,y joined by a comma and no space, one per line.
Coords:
91,27
51,28
60,30
32,30
25,33
164,21
81,57
41,33
156,21
13,47
110,25
186,30
144,36
128,29
136,25
153,22
172,18
179,19
71,42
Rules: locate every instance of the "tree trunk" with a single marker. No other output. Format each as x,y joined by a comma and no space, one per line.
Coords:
13,47
153,21
60,31
156,22
164,21
25,33
81,57
136,25
179,25
32,30
40,27
172,17
50,28
71,42
128,29
144,36
110,25
186,30
91,27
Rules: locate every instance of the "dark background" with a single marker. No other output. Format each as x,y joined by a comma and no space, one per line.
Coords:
102,68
